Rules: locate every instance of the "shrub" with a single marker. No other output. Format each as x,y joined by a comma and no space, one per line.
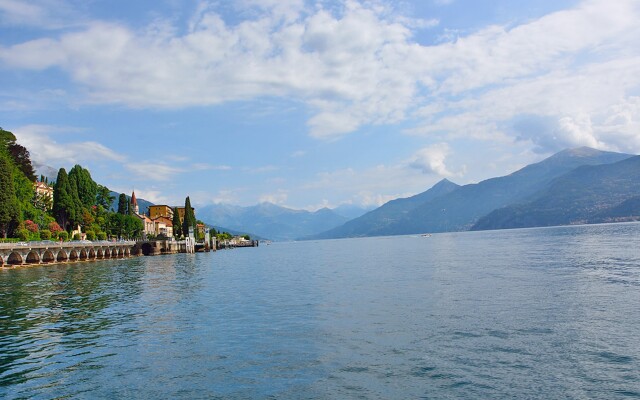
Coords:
45,234
34,236
31,226
102,236
54,227
76,236
23,234
91,235
63,235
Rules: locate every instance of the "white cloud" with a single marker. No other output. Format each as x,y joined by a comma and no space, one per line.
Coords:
46,150
371,186
154,171
279,197
209,167
358,64
43,14
431,160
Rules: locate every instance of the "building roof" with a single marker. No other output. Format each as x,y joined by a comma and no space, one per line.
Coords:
164,220
134,201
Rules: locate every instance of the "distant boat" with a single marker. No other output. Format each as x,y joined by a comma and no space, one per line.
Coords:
426,235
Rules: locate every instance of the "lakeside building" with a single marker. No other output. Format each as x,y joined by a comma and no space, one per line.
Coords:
160,211
163,226
149,224
159,220
44,191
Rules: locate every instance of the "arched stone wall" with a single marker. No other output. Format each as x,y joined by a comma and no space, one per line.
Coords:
33,257
14,259
73,255
48,257
62,256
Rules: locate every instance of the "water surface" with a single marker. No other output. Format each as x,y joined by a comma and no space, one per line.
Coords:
537,313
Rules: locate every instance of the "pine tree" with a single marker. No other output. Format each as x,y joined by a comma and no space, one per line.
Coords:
189,218
9,207
177,224
122,204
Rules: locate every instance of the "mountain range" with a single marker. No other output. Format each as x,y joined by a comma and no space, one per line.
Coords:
581,185
588,194
275,222
449,207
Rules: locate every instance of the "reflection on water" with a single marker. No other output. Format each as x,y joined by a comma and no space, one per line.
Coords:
545,313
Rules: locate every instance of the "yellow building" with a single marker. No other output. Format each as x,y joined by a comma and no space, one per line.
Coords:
181,212
160,211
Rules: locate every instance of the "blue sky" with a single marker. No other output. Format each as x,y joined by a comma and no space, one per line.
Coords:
314,103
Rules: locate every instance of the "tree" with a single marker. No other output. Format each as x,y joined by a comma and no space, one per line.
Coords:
65,207
104,197
19,154
86,188
189,218
122,204
177,224
9,206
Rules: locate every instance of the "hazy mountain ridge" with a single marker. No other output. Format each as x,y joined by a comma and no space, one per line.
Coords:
375,221
461,208
271,221
587,194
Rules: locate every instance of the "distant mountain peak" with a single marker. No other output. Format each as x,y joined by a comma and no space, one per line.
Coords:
582,152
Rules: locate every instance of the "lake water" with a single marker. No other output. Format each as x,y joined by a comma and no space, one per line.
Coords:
540,313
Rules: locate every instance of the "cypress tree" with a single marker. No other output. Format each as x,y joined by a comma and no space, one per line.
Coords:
122,204
177,224
9,207
64,204
189,218
87,189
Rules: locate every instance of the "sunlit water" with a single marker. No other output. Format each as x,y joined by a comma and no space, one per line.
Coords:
539,313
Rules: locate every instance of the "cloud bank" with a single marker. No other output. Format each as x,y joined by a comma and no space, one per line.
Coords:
357,64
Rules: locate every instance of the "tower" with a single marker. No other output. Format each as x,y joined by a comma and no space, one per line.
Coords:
134,203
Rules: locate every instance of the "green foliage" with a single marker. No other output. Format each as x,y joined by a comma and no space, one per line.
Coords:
9,205
224,236
122,204
103,197
65,204
21,158
18,154
247,237
91,235
124,226
76,236
23,234
102,236
189,218
45,234
177,224
63,235
87,189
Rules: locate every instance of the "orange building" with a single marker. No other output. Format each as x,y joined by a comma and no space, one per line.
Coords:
160,211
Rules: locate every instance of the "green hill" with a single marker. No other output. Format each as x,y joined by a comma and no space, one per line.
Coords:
585,195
